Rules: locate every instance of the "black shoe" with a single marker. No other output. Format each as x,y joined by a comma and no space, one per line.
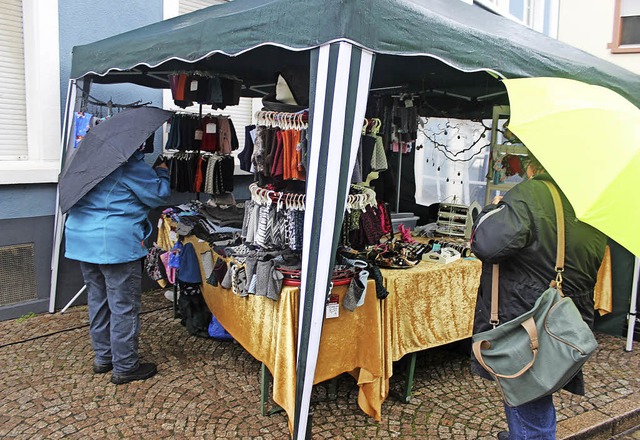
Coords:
102,368
503,435
144,371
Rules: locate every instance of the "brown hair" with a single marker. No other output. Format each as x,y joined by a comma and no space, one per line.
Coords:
534,163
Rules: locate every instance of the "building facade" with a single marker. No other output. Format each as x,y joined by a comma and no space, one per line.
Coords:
36,41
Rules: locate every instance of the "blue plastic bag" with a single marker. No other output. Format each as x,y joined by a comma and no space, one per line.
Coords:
217,331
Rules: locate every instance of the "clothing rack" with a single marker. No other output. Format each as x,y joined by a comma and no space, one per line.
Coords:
297,201
371,126
284,120
87,99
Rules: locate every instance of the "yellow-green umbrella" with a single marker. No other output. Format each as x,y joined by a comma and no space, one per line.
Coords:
588,138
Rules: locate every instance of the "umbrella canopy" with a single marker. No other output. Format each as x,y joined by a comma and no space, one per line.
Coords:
104,148
446,46
588,138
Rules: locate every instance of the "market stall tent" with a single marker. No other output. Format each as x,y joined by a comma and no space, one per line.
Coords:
454,54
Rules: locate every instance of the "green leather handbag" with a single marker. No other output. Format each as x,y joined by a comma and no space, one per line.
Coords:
540,351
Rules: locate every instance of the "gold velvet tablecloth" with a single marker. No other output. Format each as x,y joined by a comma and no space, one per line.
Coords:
267,329
428,305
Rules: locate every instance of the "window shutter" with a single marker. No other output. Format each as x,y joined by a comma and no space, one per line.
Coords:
187,6
13,119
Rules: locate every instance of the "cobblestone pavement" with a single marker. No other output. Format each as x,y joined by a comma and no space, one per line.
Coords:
211,389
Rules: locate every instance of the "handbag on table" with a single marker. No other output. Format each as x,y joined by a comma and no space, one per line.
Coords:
540,351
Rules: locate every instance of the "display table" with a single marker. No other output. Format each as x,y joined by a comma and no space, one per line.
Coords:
428,305
267,329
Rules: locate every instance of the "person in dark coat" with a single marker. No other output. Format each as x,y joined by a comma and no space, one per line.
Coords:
519,232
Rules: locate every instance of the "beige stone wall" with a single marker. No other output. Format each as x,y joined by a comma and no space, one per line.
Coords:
588,25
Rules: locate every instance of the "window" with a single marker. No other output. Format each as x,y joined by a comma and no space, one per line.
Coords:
30,74
13,119
626,27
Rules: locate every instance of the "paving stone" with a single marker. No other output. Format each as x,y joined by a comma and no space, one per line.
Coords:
210,389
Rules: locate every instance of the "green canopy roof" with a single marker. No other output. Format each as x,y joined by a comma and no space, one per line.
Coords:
255,38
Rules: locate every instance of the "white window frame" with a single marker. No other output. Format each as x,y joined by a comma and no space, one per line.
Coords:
500,7
533,11
42,91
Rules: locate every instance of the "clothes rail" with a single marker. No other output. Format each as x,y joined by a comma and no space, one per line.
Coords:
284,120
296,201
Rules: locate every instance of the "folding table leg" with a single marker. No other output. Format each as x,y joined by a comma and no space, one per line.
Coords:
265,381
332,389
175,300
408,384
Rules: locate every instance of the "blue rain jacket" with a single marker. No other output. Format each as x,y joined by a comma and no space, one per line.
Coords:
109,224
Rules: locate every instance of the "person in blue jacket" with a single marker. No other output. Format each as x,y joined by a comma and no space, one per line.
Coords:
105,231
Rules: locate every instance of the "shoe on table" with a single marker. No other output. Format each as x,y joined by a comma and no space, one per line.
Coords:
503,435
144,371
102,368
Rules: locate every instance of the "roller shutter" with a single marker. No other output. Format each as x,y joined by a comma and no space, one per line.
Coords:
13,120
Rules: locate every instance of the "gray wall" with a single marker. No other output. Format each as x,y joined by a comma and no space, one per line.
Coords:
84,22
26,217
27,211
81,23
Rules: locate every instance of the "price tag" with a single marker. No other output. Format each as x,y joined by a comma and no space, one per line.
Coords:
333,307
173,236
193,86
210,128
198,135
408,103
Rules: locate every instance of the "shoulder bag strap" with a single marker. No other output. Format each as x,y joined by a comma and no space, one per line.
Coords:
557,283
557,203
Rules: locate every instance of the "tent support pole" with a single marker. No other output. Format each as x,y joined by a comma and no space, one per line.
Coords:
67,122
64,309
73,102
399,179
340,77
631,322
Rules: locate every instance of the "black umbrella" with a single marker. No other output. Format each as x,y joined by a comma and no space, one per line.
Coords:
104,148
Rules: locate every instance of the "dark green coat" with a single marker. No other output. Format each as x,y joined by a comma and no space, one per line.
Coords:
520,234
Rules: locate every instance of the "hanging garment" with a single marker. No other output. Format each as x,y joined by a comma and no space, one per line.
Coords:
81,122
270,146
209,127
379,158
356,176
208,180
224,136
294,161
194,310
277,168
258,155
247,152
367,144
303,151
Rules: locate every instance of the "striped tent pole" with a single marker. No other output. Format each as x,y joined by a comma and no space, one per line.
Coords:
340,79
